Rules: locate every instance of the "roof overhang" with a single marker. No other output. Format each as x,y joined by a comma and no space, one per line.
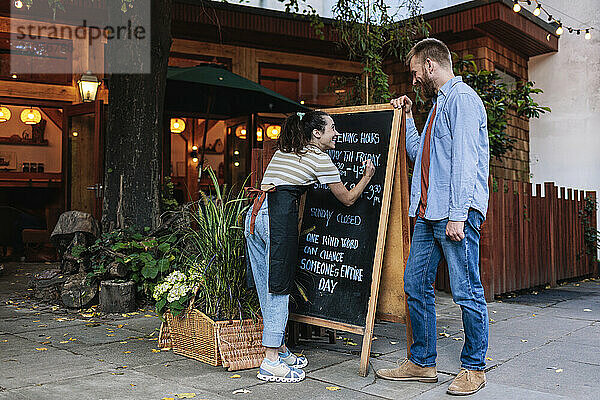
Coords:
522,32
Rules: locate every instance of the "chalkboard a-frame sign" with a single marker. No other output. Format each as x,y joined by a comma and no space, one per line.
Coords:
341,248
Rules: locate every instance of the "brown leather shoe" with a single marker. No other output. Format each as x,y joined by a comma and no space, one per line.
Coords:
408,371
467,382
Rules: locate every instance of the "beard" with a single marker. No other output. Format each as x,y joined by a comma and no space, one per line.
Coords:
428,87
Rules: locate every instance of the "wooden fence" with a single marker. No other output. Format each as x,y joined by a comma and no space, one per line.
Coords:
530,240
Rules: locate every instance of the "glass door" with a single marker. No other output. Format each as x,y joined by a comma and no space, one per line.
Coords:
83,157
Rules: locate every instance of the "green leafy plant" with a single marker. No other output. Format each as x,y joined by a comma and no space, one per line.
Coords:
591,234
498,99
146,258
167,197
213,256
371,32
523,102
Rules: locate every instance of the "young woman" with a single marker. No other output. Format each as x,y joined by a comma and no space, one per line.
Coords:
272,228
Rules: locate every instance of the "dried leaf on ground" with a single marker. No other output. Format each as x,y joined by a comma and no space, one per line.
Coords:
41,348
333,388
186,395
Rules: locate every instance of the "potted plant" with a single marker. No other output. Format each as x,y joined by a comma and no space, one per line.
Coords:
211,314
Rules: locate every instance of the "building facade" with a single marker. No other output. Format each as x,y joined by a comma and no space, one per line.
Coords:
278,50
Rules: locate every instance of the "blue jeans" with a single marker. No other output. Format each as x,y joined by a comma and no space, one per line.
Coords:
429,243
274,307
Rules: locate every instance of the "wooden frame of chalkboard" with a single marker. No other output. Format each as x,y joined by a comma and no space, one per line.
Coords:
336,259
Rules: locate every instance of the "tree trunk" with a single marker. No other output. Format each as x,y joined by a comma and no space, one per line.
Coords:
133,146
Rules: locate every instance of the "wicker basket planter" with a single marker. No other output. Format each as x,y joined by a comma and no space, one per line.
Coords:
235,344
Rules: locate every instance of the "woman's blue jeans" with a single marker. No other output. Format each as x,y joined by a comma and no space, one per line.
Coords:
274,307
429,243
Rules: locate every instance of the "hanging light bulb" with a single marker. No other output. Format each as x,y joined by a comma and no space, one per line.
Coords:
177,125
559,30
4,114
194,148
31,116
240,132
588,35
516,6
273,131
18,4
538,10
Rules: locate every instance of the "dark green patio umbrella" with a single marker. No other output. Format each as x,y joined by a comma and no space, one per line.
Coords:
223,93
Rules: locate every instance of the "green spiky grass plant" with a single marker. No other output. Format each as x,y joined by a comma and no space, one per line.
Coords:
213,244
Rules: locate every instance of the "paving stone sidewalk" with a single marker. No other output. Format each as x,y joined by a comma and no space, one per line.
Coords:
543,345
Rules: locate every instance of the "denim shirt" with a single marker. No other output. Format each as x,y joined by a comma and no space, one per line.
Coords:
459,155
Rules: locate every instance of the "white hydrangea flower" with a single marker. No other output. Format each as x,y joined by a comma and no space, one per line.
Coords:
176,276
177,291
161,289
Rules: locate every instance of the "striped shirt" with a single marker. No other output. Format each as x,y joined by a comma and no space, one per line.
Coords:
308,168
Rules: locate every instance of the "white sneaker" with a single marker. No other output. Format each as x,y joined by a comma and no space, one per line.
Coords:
293,360
279,372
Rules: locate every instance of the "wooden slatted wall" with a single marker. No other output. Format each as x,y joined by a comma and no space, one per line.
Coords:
530,239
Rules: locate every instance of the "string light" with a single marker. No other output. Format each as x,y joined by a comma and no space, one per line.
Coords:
560,29
516,6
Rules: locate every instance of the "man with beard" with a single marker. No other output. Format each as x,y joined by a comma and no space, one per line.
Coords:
449,197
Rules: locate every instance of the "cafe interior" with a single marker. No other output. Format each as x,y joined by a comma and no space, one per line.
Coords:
51,156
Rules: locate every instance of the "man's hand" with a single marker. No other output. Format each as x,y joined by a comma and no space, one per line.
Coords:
405,103
455,230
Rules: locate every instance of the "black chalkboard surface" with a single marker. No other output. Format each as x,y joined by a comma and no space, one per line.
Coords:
338,243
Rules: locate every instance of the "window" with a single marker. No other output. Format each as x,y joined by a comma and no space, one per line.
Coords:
509,80
17,60
314,88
